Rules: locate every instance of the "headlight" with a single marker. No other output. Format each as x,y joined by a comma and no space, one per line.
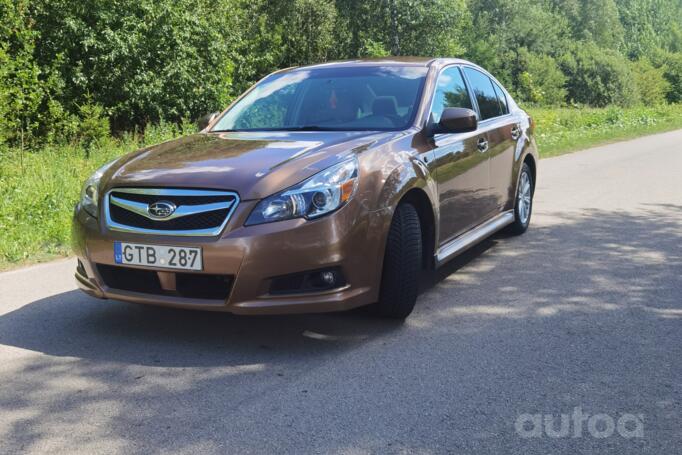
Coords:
90,191
322,193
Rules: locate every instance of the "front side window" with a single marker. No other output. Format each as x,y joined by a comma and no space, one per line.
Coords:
343,99
486,97
450,92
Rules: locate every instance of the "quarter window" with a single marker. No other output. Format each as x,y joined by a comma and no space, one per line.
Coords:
486,97
450,92
501,98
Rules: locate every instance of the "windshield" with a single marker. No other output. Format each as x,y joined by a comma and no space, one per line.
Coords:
343,99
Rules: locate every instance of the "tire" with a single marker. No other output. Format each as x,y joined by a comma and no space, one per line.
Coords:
523,202
402,265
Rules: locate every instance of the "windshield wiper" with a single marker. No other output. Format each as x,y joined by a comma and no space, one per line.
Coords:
307,128
286,128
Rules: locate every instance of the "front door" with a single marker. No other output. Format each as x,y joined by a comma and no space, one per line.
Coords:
502,133
461,163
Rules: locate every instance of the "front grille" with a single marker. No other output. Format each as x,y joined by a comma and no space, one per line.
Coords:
178,200
205,220
188,285
196,212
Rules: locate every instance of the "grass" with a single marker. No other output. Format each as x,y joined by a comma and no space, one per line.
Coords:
41,187
564,130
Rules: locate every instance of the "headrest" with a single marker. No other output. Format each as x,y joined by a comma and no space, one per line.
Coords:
385,105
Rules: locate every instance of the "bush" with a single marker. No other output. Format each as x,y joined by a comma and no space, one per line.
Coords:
652,85
598,77
373,49
672,71
93,127
141,60
21,90
540,81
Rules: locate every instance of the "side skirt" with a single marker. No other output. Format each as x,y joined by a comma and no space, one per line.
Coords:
474,236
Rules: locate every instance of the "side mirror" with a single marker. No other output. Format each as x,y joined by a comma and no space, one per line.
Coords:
206,120
457,120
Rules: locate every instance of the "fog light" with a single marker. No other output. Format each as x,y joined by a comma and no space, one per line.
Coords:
328,278
312,281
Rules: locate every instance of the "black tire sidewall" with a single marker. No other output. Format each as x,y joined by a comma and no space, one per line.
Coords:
402,264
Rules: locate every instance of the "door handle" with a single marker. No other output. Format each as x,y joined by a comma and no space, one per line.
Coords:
482,145
516,132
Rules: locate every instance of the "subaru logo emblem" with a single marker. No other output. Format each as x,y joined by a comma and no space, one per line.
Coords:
161,209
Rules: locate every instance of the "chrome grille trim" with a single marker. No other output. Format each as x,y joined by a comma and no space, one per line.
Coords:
140,208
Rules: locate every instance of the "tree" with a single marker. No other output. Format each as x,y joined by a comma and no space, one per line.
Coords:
434,28
598,77
651,25
595,21
671,63
652,85
142,60
540,81
307,30
21,90
505,27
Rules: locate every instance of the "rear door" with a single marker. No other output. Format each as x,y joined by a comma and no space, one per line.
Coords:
501,132
461,162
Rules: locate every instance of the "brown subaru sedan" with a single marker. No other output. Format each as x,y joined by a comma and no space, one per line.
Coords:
322,188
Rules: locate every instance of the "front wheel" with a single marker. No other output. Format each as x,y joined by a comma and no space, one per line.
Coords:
402,265
523,206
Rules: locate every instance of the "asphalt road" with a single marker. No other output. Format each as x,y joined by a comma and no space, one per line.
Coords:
583,314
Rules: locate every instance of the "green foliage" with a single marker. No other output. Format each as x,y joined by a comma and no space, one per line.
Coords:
308,27
597,21
598,77
672,71
141,60
150,61
93,127
40,190
652,85
541,81
21,90
428,27
562,130
402,27
507,31
373,49
650,25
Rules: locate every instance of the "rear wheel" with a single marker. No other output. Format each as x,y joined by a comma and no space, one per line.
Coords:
523,206
402,264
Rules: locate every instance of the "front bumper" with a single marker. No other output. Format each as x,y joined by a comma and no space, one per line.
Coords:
351,239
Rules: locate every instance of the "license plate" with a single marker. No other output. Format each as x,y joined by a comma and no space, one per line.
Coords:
171,257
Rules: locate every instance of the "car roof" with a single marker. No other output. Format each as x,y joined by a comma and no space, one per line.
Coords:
385,61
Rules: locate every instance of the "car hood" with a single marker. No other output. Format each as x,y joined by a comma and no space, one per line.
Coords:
254,165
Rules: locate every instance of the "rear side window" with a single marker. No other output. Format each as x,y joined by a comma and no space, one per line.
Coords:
501,98
450,92
486,97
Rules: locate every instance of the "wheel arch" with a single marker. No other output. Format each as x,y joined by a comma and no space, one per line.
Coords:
418,198
530,160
